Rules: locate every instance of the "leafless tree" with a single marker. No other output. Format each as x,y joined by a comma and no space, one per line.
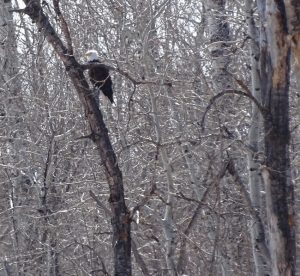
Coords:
199,129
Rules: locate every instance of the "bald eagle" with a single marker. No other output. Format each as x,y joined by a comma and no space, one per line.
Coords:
99,75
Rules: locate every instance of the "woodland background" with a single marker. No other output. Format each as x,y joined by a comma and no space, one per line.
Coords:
190,141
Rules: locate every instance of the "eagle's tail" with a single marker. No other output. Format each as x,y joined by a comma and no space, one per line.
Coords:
111,98
108,92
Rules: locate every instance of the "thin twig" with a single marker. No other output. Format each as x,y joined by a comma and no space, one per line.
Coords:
139,259
151,191
100,204
64,26
17,10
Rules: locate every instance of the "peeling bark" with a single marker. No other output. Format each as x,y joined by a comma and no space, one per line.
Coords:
292,8
276,173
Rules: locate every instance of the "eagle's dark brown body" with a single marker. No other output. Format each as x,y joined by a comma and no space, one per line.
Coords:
99,77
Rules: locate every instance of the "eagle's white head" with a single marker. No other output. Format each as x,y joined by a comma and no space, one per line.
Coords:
91,55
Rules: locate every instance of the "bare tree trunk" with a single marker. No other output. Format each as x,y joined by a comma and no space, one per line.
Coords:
120,213
293,22
258,238
276,174
219,34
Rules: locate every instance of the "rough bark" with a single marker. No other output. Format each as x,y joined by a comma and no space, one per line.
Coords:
120,214
276,174
292,8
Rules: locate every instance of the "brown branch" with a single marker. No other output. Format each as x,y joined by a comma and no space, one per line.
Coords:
262,110
64,26
120,215
99,203
145,200
241,83
87,66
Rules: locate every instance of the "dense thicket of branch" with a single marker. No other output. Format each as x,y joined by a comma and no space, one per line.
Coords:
120,214
172,63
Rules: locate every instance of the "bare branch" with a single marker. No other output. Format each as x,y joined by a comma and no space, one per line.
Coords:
145,199
17,10
151,191
241,83
139,259
262,110
260,243
100,204
195,215
87,66
64,26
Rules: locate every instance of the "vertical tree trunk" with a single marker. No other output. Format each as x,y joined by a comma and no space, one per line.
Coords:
276,173
293,22
219,33
258,239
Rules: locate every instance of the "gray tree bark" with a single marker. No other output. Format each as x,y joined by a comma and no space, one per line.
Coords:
219,34
258,237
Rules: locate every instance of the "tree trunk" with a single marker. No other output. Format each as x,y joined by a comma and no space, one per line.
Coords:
276,173
258,238
120,214
219,34
293,22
